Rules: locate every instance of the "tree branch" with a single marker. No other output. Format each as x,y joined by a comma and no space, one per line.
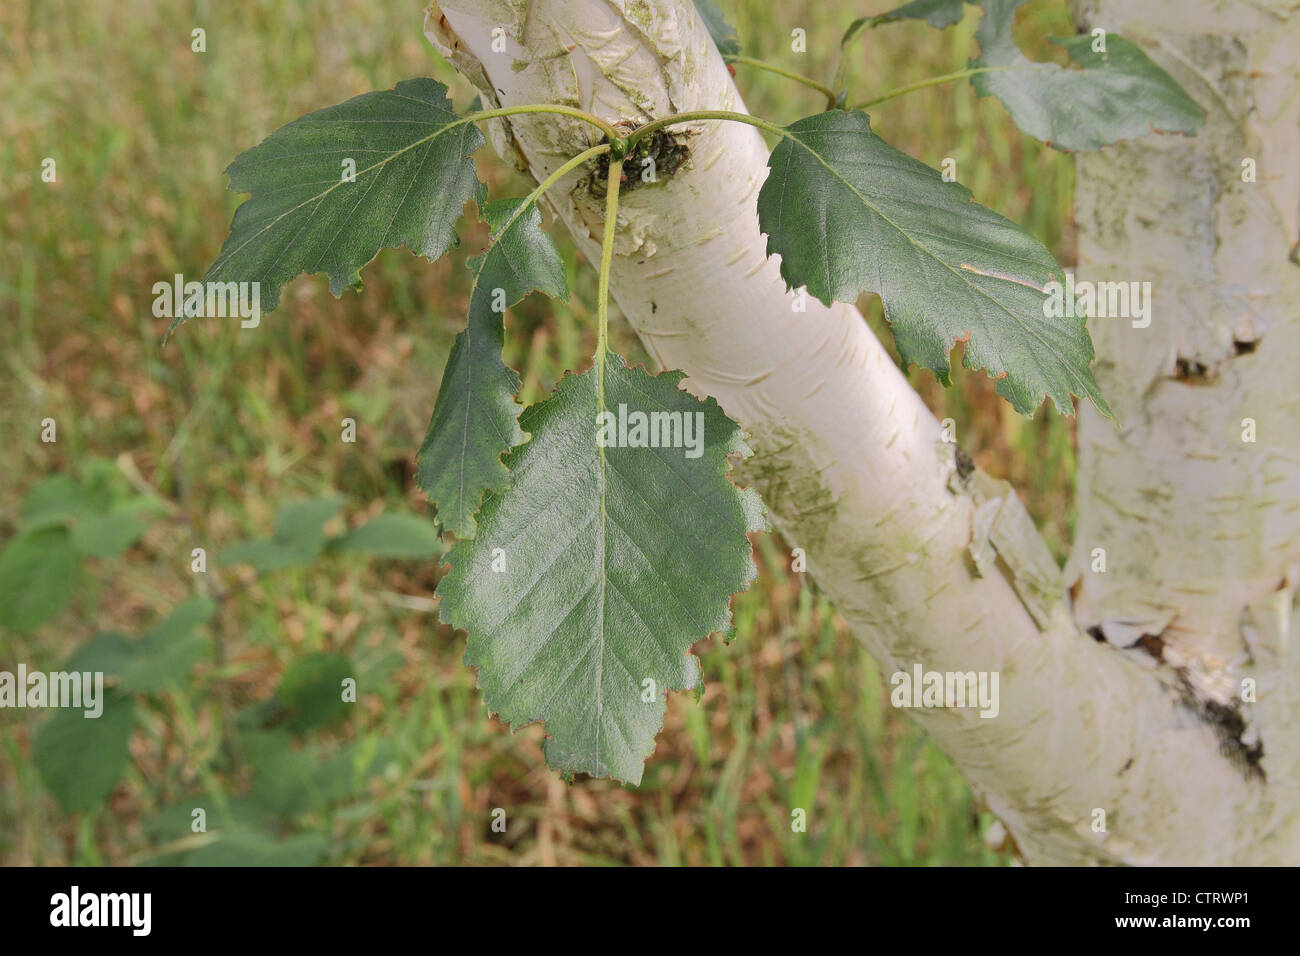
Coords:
927,567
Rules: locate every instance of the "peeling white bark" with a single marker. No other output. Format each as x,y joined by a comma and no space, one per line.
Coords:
1202,528
926,567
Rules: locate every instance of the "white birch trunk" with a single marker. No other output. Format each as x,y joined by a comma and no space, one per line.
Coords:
927,568
1196,498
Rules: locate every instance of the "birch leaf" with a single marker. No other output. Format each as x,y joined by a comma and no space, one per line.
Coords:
588,582
475,418
937,13
332,188
722,32
1118,94
849,214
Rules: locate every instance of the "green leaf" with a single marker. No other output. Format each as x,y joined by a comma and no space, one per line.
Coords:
285,776
413,176
105,517
475,418
299,537
80,758
616,561
54,500
39,571
108,535
109,653
312,689
848,214
393,536
291,780
161,657
723,33
300,523
938,13
264,554
248,846
166,654
1120,94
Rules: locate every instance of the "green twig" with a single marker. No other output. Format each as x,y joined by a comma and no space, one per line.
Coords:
602,285
551,180
856,29
554,108
932,81
807,81
698,115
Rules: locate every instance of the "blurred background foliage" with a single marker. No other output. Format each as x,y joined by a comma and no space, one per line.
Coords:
217,431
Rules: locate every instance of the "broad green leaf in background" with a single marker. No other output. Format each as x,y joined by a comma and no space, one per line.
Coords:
475,418
80,758
104,516
312,689
299,537
413,176
723,33
39,571
937,13
1119,94
849,214
167,653
616,560
302,522
108,653
248,846
162,656
174,822
54,500
107,535
393,536
291,779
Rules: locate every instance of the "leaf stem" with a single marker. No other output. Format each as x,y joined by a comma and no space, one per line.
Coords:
856,29
932,81
555,108
696,116
807,81
551,180
602,285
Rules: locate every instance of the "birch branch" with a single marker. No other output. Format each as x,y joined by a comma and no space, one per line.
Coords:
928,566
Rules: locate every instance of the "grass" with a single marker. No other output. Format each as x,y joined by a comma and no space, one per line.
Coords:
228,426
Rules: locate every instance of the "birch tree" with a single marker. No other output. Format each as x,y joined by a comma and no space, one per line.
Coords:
1147,695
